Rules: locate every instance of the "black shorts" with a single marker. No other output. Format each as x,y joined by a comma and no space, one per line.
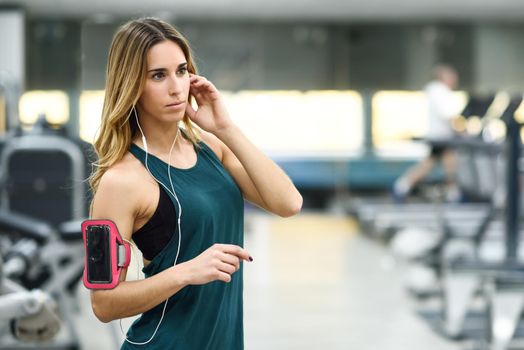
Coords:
436,151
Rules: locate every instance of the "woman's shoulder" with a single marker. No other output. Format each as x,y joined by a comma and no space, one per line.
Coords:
213,143
123,177
120,194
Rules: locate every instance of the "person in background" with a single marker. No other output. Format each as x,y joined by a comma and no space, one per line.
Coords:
442,108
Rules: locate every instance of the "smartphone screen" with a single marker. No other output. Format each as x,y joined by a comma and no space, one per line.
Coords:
98,254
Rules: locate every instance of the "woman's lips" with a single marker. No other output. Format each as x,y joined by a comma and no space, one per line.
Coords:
175,105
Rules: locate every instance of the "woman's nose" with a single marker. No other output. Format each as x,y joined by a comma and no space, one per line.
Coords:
175,85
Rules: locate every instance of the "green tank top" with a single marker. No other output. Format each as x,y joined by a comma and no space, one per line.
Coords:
198,317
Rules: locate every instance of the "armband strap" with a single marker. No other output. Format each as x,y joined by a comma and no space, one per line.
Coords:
124,255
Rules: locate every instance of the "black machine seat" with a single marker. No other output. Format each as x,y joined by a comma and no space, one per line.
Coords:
43,176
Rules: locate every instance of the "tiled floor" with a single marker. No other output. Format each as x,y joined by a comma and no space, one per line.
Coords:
315,283
318,284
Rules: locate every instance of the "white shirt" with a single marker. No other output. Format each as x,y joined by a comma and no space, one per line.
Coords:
442,107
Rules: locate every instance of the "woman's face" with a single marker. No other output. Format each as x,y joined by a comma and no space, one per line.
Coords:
166,88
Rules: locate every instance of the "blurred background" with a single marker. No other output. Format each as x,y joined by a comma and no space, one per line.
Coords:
337,93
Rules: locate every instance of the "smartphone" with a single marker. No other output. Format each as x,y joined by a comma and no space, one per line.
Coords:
98,254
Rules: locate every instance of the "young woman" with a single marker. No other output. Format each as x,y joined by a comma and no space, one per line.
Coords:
177,190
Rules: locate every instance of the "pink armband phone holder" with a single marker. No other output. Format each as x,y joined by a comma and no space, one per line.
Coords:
106,254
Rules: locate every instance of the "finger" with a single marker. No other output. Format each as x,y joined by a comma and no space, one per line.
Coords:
199,98
224,277
227,268
237,251
190,111
203,84
197,95
231,259
210,87
196,78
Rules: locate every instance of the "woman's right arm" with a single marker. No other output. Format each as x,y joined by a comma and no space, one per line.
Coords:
117,199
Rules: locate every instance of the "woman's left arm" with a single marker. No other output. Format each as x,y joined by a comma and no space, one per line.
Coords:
259,178
262,182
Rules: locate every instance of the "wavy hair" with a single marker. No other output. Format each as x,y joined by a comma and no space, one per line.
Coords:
125,80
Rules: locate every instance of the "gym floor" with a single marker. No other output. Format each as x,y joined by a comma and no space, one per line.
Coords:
316,282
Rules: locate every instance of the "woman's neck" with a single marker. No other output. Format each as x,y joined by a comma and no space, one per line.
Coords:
160,141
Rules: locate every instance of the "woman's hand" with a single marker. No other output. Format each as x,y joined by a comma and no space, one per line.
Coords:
211,115
218,262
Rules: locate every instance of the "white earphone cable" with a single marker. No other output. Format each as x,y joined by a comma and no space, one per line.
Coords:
173,193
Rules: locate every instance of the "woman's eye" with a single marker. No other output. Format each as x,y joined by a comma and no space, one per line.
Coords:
158,76
182,70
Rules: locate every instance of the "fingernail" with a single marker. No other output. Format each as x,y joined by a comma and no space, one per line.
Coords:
250,258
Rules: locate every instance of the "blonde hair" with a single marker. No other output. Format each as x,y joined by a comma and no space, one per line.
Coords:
125,80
